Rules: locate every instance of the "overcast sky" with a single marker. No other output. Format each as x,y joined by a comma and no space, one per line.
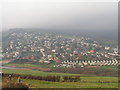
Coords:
64,15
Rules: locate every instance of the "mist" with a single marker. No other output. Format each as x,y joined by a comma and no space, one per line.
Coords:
84,17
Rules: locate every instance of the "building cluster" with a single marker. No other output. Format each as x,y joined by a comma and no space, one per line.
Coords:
65,50
83,63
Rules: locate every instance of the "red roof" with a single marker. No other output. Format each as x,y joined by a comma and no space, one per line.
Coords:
92,51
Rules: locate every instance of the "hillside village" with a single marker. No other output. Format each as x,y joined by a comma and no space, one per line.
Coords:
63,51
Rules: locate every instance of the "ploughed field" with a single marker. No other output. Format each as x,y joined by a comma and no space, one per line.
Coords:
39,79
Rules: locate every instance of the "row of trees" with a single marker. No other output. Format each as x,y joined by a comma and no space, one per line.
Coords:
46,78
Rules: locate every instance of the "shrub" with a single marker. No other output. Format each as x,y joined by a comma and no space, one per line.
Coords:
71,78
14,85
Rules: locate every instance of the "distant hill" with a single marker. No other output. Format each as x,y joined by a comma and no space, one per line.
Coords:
105,35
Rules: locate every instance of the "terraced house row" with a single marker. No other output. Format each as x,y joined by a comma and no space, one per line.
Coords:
83,63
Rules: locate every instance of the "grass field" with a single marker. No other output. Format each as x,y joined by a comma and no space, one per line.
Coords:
86,81
45,84
37,73
99,70
29,65
51,66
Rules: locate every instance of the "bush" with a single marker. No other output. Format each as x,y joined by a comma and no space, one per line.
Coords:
71,78
14,85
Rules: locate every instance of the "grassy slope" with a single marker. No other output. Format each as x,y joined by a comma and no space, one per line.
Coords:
85,78
109,68
49,65
28,65
34,73
45,84
86,81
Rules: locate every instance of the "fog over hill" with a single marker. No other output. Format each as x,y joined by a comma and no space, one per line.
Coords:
94,19
100,35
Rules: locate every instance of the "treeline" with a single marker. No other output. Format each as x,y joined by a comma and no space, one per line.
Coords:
46,78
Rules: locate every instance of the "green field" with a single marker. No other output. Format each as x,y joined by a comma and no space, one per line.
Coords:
98,71
50,66
45,84
86,81
30,65
34,72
